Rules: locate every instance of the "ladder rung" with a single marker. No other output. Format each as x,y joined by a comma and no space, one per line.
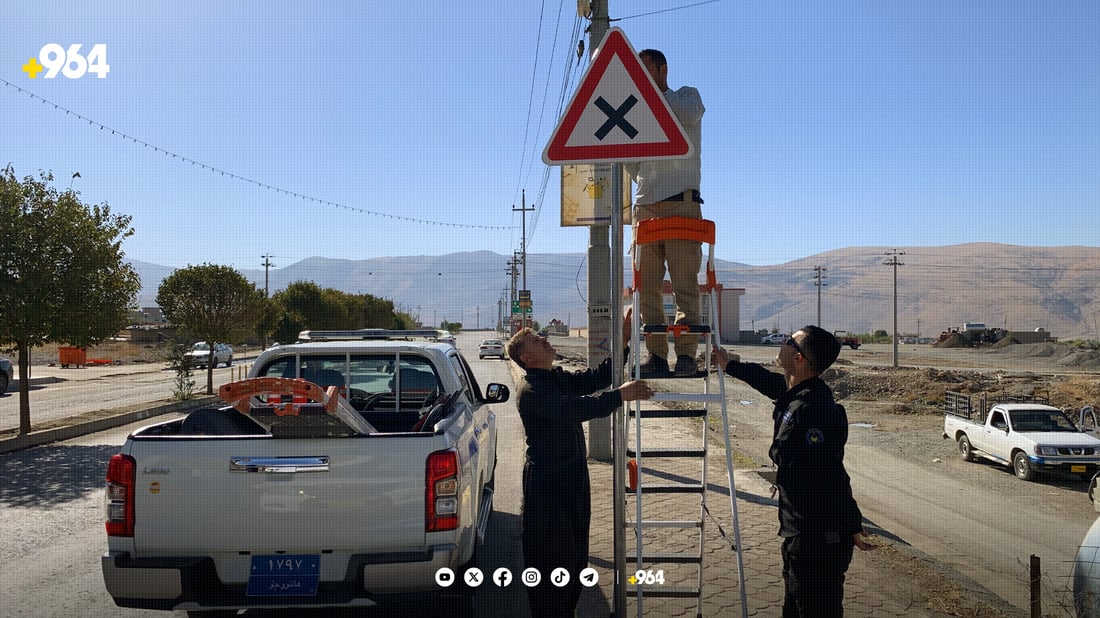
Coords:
667,523
699,397
667,452
668,558
668,413
674,488
671,592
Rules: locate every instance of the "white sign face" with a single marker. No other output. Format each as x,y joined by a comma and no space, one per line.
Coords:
616,114
586,195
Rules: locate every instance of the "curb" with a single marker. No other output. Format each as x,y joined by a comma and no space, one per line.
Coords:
38,438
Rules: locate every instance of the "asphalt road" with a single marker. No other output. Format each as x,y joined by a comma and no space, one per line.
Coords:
52,515
975,518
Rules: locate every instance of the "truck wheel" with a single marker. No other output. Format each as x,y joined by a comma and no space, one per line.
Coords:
965,449
1022,466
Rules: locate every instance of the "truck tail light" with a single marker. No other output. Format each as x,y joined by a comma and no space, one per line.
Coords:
441,492
121,478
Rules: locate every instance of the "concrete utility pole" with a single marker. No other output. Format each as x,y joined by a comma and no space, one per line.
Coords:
513,272
893,261
523,248
600,344
819,277
267,265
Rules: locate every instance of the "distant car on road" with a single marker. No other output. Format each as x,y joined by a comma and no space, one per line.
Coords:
445,337
7,374
200,354
491,347
773,338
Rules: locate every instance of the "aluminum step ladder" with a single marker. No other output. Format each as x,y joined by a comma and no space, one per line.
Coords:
653,537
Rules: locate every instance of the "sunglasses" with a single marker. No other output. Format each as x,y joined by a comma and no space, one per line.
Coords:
794,344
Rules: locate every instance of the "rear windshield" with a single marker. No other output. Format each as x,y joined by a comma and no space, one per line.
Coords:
369,381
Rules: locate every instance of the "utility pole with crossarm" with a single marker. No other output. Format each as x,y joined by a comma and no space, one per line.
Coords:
893,261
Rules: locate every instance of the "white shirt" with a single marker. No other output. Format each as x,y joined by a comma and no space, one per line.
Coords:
659,179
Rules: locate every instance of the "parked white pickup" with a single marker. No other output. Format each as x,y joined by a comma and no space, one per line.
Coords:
296,503
1022,432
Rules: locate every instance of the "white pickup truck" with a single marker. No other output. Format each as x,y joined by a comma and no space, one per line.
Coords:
1022,432
347,472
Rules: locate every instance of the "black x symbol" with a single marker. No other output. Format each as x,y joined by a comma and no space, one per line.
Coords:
616,117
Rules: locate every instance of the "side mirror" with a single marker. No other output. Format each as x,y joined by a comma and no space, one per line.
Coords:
1087,419
1092,492
497,393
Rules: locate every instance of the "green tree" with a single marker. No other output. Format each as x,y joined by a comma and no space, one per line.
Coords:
62,274
213,303
380,313
304,305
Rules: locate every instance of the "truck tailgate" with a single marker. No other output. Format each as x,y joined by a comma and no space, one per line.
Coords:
195,497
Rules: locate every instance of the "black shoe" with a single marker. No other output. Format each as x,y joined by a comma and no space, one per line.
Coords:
654,367
685,367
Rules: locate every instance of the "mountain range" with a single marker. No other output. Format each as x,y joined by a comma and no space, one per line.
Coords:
1006,286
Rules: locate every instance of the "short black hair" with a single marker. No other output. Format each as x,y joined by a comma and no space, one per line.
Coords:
821,346
653,55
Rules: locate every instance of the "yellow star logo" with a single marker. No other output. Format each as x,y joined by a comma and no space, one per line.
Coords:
32,68
631,580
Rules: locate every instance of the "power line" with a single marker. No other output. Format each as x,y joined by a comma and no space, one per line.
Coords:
257,183
668,10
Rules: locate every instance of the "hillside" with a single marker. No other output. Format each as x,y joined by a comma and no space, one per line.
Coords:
1021,288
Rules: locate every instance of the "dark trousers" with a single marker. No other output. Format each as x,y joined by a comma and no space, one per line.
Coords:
556,516
813,574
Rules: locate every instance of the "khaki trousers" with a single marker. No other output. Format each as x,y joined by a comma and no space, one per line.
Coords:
683,258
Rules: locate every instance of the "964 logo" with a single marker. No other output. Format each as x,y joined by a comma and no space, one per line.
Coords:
70,62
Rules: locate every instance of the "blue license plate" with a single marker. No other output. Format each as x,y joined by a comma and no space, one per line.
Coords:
284,575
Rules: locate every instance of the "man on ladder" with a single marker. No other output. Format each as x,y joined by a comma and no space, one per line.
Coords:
669,188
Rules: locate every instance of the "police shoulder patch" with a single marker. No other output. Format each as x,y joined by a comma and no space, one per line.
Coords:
814,437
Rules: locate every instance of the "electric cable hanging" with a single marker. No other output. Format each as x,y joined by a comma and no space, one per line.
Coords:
262,185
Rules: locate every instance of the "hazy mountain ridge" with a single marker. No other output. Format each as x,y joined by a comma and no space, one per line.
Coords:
1021,288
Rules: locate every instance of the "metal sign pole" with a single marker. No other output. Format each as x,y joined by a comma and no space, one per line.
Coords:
618,431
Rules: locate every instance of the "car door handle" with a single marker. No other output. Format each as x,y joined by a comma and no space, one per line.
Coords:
279,465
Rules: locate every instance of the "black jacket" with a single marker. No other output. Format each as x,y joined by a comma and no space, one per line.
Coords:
552,405
810,431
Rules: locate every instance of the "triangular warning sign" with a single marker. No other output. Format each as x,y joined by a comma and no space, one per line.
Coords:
616,114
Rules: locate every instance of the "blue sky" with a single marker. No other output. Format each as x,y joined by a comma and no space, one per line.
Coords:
412,128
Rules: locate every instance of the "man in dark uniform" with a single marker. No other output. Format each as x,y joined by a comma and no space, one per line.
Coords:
818,517
552,404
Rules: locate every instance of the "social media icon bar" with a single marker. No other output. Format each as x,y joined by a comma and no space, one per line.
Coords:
502,577
559,577
474,577
444,577
531,577
589,577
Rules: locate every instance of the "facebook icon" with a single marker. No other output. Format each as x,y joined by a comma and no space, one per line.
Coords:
502,577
